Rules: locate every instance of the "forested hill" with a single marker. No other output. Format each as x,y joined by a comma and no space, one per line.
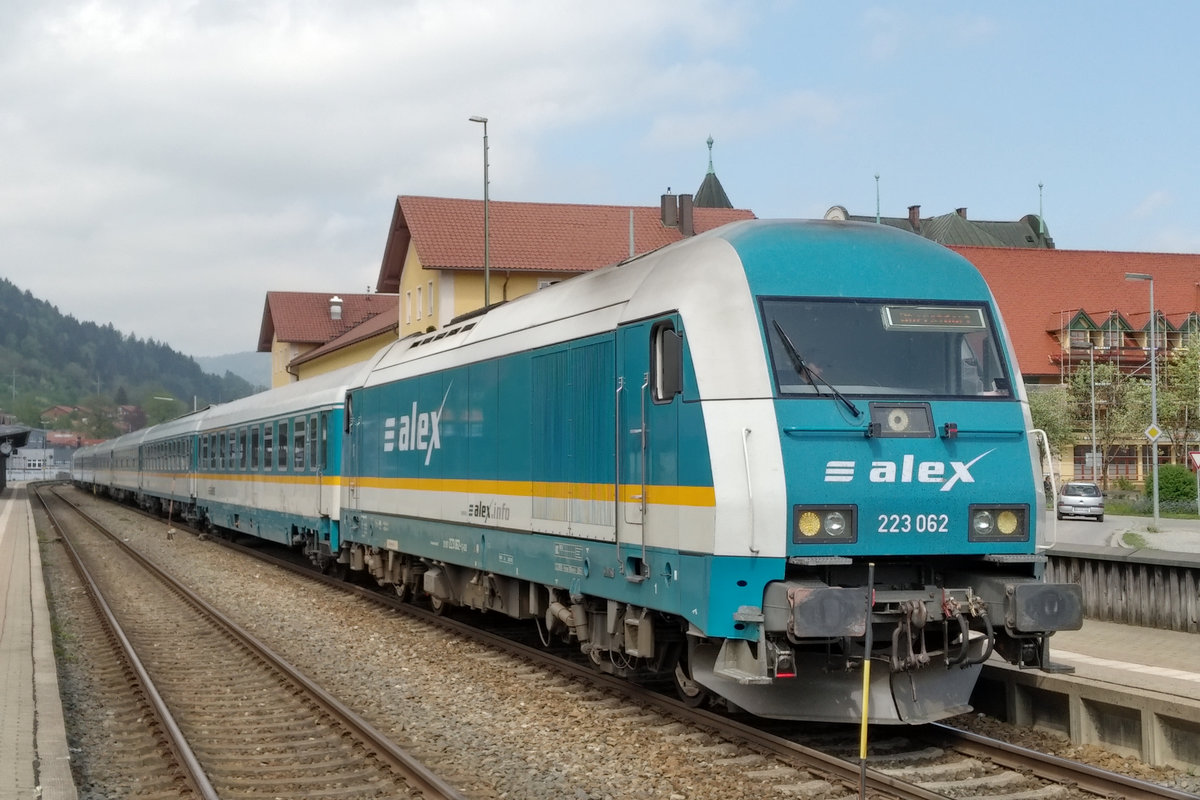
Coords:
49,359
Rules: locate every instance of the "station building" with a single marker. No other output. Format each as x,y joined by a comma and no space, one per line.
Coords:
1063,308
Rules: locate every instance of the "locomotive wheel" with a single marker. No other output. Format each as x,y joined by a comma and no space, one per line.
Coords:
403,591
691,693
437,605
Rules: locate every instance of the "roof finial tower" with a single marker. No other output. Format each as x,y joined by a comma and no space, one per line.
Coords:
711,194
1041,219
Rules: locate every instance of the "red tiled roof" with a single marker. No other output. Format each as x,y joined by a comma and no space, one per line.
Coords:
304,318
1040,291
542,237
388,319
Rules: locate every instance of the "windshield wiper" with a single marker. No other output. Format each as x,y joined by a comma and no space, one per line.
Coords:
808,373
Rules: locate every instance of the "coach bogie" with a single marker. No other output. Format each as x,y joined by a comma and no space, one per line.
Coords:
452,585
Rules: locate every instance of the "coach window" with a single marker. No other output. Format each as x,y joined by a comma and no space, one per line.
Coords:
255,444
298,444
666,361
233,451
268,445
283,450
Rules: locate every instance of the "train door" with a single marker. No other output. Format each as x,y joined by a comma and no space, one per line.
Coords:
649,381
351,431
321,442
191,458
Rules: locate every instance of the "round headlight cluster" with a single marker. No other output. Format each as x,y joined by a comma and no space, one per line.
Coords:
989,523
818,524
811,523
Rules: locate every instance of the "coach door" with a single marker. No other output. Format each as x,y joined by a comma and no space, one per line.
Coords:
351,453
649,382
326,488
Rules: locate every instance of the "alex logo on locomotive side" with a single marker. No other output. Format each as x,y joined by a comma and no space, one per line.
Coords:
417,430
907,470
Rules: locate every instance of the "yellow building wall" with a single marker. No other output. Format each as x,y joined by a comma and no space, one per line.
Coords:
468,287
345,356
456,292
282,354
418,310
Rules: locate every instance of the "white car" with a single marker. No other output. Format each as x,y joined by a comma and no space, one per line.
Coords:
1081,499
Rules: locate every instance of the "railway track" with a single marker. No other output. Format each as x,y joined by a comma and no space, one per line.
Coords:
939,761
904,763
229,717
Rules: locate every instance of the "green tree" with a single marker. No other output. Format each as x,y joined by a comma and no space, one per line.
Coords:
1179,397
160,407
1175,483
1050,408
1122,407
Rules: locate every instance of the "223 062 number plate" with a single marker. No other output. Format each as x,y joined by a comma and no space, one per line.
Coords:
910,523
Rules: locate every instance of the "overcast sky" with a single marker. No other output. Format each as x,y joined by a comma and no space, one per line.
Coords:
165,163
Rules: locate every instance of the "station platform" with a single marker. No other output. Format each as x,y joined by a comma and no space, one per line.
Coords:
34,759
1127,689
1127,655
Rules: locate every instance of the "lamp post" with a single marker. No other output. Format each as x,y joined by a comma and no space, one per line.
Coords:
1152,432
1092,372
487,301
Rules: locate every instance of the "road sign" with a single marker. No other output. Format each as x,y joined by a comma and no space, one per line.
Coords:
1152,432
1194,459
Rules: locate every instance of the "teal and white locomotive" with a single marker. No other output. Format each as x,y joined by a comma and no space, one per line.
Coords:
690,463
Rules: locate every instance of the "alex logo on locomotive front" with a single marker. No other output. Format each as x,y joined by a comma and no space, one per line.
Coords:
908,470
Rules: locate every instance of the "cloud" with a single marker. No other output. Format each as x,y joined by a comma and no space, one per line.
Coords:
176,160
892,32
1152,204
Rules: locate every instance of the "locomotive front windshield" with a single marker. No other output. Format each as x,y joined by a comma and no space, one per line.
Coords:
883,348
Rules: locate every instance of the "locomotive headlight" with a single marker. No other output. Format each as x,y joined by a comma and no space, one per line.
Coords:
897,420
999,523
835,523
809,523
824,523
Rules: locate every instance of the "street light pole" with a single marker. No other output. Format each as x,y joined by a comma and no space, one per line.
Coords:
1141,276
486,265
1092,372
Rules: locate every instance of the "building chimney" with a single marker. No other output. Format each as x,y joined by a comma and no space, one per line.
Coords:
686,223
670,210
914,217
335,308
962,212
